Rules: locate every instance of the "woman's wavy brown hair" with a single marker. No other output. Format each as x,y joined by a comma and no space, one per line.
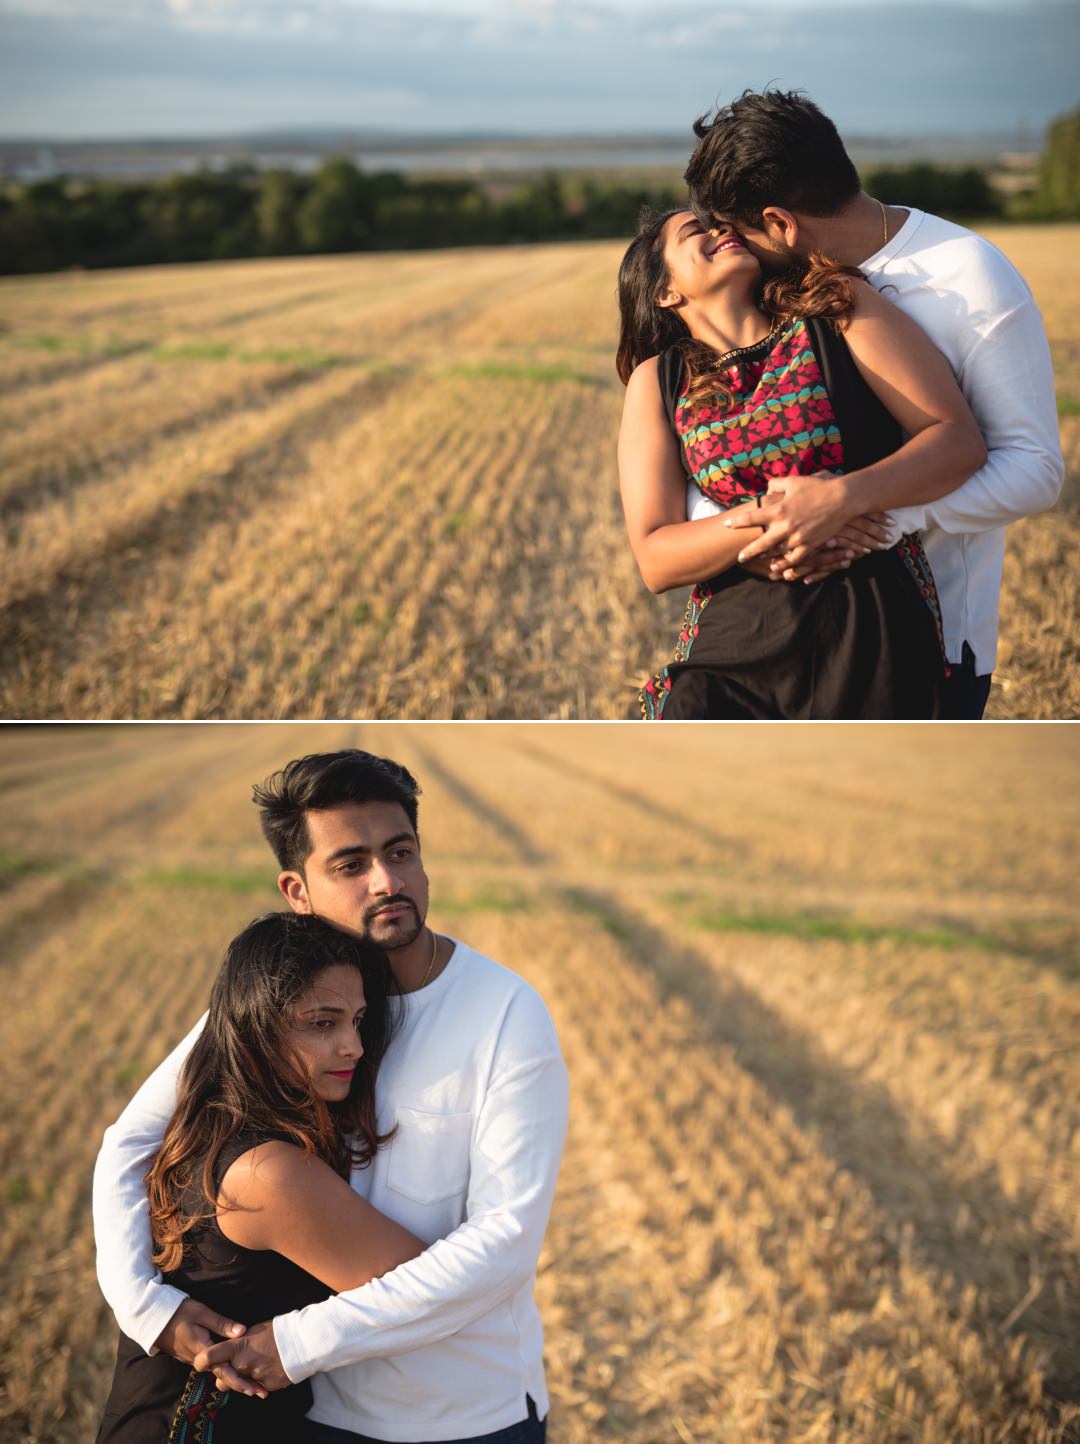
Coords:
817,286
242,1075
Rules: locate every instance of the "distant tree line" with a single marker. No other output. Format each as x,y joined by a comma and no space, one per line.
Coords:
52,224
1058,192
962,194
48,225
966,193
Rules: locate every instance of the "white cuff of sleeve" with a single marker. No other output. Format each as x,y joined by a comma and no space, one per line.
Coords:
155,1315
292,1356
903,521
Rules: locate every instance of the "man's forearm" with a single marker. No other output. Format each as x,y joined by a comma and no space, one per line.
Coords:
484,1262
1013,484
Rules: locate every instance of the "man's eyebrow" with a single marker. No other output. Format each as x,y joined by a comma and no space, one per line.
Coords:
356,849
353,849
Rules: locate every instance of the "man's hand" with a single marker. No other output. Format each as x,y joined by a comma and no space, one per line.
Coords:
251,1364
833,556
800,513
190,1330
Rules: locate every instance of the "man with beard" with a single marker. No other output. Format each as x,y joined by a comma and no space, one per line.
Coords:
449,1346
774,167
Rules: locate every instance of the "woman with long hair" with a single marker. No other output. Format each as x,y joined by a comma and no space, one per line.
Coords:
250,1204
731,385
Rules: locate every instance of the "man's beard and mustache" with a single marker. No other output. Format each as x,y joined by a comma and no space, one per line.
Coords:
391,933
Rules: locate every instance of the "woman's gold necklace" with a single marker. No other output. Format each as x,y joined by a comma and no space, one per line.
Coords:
729,356
434,952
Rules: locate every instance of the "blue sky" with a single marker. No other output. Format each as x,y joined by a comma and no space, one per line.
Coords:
89,68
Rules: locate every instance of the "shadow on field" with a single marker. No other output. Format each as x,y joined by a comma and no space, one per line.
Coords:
861,1128
722,844
472,801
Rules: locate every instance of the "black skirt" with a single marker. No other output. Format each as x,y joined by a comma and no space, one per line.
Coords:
861,644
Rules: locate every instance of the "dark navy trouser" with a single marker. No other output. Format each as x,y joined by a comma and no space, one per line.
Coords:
531,1430
965,694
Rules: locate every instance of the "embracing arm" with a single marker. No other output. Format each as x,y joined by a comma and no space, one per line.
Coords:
912,379
514,1161
669,550
132,1285
1009,382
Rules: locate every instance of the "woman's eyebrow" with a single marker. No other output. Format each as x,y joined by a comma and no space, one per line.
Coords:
321,1008
693,221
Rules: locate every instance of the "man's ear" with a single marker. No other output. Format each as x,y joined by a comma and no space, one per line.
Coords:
293,889
781,226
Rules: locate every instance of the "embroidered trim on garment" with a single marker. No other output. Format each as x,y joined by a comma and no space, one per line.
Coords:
653,696
197,1411
911,553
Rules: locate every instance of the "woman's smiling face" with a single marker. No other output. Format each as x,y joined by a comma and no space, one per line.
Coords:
699,261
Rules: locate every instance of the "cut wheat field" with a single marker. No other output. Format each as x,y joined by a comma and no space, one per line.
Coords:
819,994
374,486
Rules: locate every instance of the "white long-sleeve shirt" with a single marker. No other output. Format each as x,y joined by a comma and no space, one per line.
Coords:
449,1344
979,311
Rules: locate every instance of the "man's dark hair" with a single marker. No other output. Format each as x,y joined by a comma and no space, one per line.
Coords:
321,780
769,148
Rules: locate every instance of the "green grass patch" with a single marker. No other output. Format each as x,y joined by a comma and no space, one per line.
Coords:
17,1188
456,521
73,342
1068,406
194,351
513,371
15,865
493,897
20,864
611,922
205,880
811,925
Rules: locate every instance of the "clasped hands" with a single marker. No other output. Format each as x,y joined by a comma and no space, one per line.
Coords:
810,530
246,1360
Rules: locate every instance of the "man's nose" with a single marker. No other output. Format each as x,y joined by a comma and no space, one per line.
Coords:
383,877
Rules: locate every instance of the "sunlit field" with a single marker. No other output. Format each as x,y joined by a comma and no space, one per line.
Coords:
378,486
818,990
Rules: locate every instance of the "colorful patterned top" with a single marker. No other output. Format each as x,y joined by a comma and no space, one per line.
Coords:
780,419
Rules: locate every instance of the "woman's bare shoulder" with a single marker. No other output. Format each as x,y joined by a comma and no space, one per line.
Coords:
643,388
261,1186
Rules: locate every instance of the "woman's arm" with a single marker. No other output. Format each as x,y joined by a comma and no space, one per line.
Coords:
278,1197
912,379
669,550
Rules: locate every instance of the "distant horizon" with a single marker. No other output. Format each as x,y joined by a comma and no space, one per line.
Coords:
1006,136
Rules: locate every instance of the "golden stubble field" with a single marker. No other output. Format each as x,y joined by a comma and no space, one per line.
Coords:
819,994
377,486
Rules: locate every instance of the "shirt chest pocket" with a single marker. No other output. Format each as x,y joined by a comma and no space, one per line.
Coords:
429,1155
